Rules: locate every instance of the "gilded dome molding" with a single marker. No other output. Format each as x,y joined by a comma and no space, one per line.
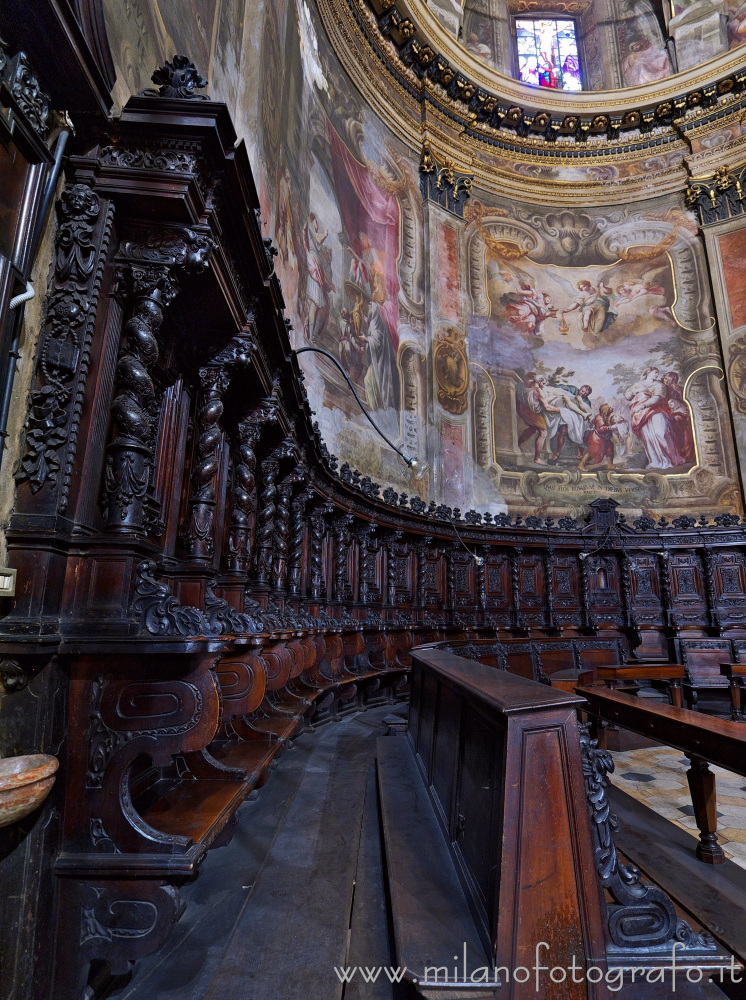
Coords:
719,73
512,159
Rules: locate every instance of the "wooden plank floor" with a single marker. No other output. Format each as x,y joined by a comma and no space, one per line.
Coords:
298,891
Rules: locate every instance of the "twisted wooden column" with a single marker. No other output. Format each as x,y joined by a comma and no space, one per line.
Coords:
147,276
238,556
363,533
341,547
214,379
297,539
318,530
264,539
282,526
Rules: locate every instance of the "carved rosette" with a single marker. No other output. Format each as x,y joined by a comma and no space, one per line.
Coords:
244,486
148,272
54,406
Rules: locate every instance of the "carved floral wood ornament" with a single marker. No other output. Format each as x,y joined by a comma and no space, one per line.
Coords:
65,349
451,370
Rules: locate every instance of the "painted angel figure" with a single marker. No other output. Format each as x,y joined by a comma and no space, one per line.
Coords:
592,302
594,306
526,307
637,288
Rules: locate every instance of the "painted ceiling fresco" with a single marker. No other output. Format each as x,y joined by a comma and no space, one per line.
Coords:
534,357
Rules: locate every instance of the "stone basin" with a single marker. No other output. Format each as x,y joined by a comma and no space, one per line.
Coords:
24,784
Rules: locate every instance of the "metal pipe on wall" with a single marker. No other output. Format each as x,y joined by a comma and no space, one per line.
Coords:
17,303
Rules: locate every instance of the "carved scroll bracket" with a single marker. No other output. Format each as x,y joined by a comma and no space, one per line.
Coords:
642,918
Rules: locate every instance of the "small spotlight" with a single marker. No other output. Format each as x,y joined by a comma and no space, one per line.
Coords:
419,469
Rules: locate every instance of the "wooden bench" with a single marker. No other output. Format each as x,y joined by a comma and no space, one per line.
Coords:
491,763
703,739
626,675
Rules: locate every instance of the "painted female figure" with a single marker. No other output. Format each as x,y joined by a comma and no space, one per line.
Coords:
682,420
653,422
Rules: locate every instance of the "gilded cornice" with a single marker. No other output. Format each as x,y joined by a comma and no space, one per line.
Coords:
600,168
715,73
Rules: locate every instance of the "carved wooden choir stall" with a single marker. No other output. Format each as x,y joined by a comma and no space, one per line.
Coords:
199,579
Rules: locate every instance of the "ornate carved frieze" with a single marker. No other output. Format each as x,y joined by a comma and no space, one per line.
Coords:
158,158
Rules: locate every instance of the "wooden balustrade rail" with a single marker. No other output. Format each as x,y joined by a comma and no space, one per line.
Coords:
703,739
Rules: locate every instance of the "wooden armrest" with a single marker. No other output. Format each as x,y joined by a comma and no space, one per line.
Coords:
733,669
642,672
719,741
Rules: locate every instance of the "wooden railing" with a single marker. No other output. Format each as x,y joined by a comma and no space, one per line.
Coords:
704,740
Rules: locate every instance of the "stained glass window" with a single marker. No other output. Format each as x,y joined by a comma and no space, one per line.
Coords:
548,53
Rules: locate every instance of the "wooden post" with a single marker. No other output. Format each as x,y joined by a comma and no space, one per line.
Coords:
702,788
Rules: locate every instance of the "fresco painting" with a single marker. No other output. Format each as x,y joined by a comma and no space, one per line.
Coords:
453,462
449,291
733,256
574,327
597,353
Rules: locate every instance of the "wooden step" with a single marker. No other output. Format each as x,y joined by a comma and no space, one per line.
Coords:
433,925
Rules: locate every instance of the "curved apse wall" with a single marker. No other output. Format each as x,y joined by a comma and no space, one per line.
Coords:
470,329
508,345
